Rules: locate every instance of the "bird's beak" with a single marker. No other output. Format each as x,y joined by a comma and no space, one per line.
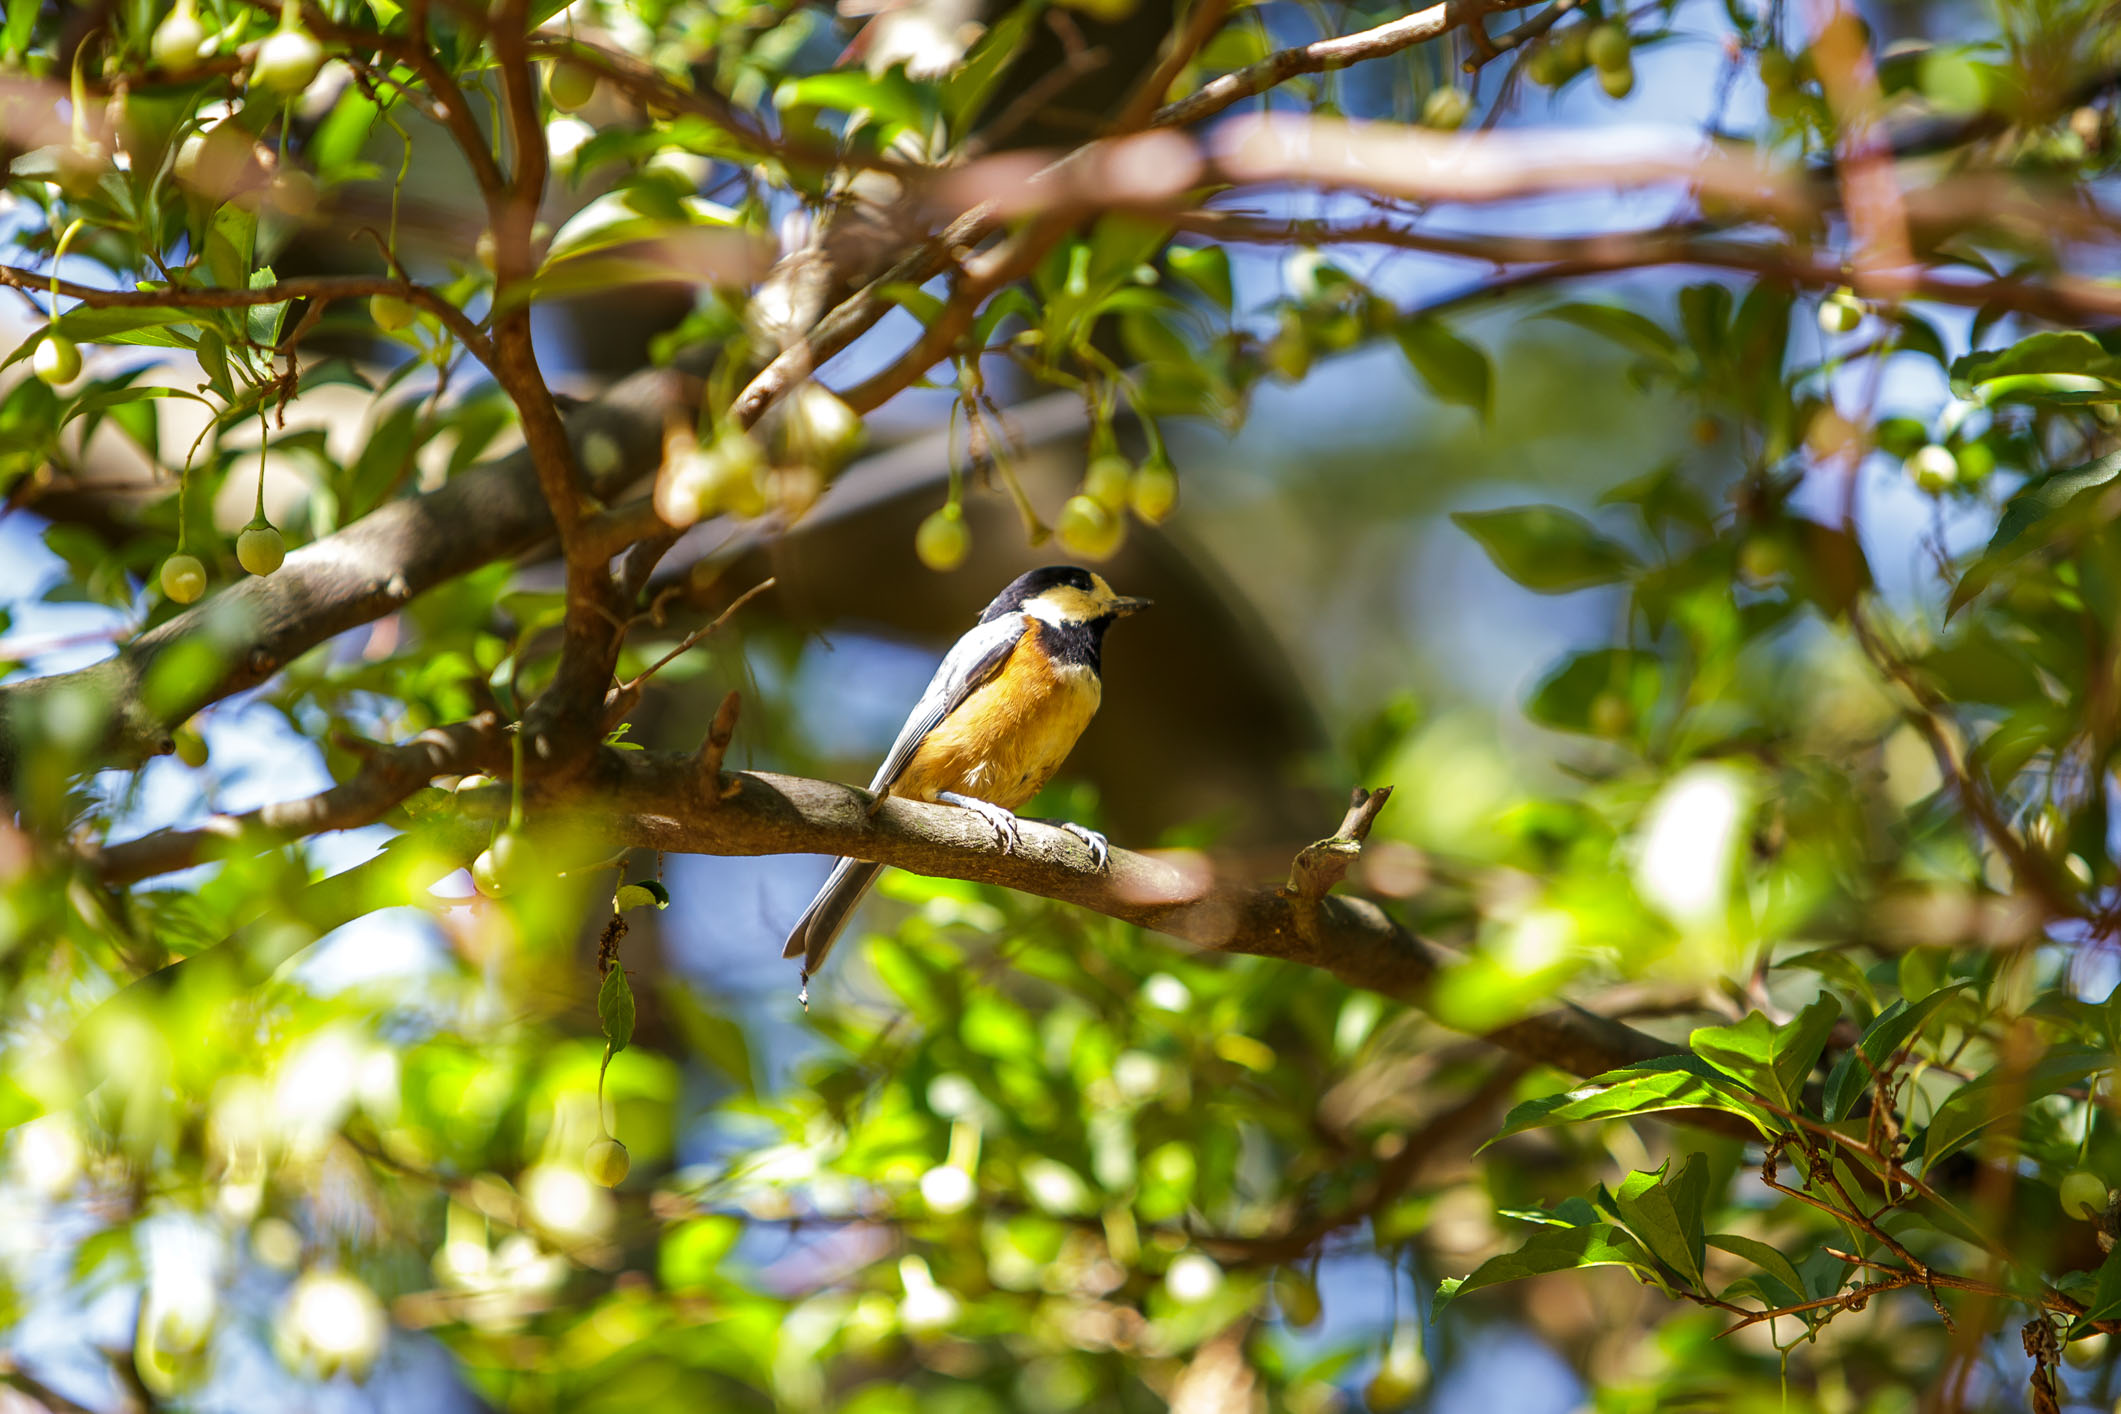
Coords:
1119,608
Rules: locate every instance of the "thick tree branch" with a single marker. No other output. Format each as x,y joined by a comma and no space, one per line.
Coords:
658,800
685,804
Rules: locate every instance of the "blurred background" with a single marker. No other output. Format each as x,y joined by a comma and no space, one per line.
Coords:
1015,1156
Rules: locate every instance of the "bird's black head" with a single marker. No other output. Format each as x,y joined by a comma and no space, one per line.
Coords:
1063,594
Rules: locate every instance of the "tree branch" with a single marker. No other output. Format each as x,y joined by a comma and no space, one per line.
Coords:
383,781
659,800
686,804
1320,55
2060,298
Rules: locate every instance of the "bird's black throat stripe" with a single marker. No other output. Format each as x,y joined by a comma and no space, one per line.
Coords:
1081,643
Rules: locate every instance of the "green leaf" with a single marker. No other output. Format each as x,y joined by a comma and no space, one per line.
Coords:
21,16
1569,1212
1704,311
2043,495
1455,370
384,461
913,299
647,894
2048,509
1764,1256
1547,549
2068,351
1120,243
1567,697
1663,1209
1153,340
2104,1303
1979,666
891,98
1881,1040
1647,1087
1624,327
1557,1249
615,1009
213,362
262,321
1207,269
2003,1091
1663,497
965,93
1013,300
710,1035
1773,1060
643,210
148,325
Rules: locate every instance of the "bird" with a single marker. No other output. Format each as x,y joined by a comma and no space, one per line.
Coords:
996,721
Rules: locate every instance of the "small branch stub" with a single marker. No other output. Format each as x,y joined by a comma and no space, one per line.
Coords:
1318,867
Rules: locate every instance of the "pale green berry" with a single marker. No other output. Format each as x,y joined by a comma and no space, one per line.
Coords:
942,542
183,578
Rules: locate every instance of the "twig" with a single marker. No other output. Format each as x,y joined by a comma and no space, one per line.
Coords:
1321,55
313,287
621,699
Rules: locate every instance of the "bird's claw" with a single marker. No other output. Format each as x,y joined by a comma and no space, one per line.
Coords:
1100,848
1001,821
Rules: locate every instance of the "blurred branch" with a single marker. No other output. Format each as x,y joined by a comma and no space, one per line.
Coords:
2062,298
1419,164
30,1387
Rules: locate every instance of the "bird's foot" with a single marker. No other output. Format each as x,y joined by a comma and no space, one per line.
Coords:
1001,821
1100,848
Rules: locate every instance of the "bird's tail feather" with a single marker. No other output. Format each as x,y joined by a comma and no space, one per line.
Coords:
820,924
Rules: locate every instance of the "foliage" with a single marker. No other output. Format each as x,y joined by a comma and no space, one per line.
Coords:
1829,853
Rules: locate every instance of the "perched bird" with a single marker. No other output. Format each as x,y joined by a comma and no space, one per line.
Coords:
997,720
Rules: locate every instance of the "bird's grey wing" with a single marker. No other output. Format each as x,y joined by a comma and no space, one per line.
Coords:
972,660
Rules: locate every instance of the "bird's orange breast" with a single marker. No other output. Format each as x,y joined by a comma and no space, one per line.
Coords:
1005,740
